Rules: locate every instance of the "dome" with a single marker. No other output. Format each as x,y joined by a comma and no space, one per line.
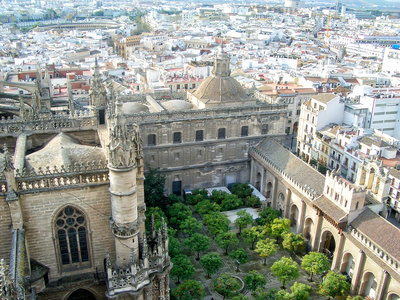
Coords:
176,105
217,89
134,108
63,150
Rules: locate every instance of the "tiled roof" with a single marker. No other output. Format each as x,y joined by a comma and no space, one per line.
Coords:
371,141
380,231
324,98
372,256
304,90
292,166
313,79
331,209
395,173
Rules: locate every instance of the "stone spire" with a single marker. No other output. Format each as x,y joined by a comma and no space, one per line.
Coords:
47,78
21,107
36,103
70,97
111,102
122,151
97,92
96,68
39,75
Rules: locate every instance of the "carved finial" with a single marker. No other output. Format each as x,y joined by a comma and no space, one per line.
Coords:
8,164
145,246
108,260
159,238
70,97
118,106
21,107
111,102
164,229
121,148
132,256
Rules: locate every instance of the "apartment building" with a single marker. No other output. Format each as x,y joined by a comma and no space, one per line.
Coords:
315,114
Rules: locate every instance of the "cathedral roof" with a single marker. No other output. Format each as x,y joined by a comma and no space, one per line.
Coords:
176,105
217,89
220,88
63,150
134,108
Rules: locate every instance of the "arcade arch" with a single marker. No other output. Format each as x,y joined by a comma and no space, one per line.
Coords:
369,285
81,294
393,296
294,217
308,228
268,190
258,181
328,244
281,203
348,265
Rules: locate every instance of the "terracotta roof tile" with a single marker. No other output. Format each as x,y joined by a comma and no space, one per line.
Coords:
395,173
331,209
325,98
290,164
380,231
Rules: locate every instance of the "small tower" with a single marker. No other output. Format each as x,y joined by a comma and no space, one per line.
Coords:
71,104
342,193
22,114
123,188
221,63
41,96
142,263
97,94
47,81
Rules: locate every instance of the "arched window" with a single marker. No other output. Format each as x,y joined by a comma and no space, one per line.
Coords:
72,238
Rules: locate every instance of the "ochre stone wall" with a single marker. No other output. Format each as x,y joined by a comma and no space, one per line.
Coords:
5,230
39,211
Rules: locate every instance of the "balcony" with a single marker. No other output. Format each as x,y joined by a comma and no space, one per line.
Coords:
333,157
394,195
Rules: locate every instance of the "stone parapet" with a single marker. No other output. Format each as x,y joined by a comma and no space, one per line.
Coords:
251,111
57,122
32,181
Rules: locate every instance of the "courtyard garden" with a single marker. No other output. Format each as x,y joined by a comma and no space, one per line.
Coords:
251,259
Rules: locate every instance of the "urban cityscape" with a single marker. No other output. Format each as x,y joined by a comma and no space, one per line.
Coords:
199,150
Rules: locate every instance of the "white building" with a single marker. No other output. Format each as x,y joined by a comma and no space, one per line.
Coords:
187,17
315,114
391,61
384,113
